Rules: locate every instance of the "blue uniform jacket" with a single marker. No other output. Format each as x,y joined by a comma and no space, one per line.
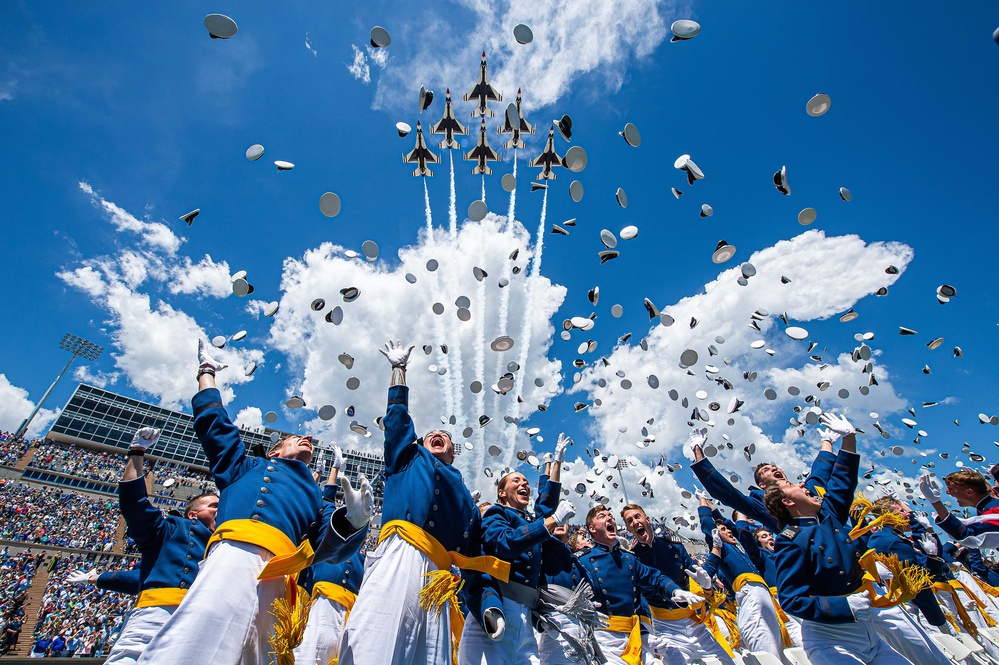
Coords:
421,489
171,546
278,492
560,566
670,559
733,561
121,581
891,541
817,563
720,488
619,580
957,529
763,559
347,574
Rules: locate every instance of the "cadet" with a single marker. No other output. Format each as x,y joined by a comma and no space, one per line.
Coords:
971,490
818,568
678,638
271,518
757,611
429,523
619,579
171,547
333,586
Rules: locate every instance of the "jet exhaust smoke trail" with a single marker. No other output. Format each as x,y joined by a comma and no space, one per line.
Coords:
480,361
443,381
483,187
504,306
526,330
455,366
452,211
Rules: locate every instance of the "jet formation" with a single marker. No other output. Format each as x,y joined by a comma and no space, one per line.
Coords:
515,125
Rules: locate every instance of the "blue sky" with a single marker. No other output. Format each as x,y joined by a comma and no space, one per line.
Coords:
153,117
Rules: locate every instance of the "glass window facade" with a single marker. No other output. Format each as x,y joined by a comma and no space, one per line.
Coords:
97,418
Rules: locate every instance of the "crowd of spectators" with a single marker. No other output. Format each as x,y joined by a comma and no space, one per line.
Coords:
17,571
12,448
54,516
187,482
79,620
77,462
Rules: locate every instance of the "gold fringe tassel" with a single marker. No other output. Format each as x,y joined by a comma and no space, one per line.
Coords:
291,613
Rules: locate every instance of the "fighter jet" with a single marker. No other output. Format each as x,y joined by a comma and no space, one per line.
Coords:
547,159
482,152
483,93
421,155
508,128
449,126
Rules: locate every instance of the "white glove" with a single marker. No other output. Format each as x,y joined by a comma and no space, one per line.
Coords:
837,424
924,519
701,494
827,435
716,539
949,629
564,512
359,502
337,462
396,353
145,438
859,602
547,458
476,495
929,487
560,446
495,623
681,597
80,576
929,545
698,437
699,575
205,360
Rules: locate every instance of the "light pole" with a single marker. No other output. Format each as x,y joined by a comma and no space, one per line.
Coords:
621,465
78,347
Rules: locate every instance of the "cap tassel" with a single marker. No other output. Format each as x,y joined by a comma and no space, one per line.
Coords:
291,614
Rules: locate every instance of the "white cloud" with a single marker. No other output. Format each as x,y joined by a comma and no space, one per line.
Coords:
85,374
153,340
7,90
204,278
359,67
308,45
249,417
379,56
156,235
391,308
828,276
15,406
571,40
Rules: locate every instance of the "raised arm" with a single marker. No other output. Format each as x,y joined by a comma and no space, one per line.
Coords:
720,488
400,434
843,480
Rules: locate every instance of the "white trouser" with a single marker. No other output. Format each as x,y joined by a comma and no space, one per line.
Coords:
387,625
968,580
848,643
613,645
902,632
321,638
947,602
518,645
552,649
140,627
757,619
224,618
793,625
680,641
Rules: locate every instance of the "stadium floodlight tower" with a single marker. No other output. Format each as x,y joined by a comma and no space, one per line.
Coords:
77,346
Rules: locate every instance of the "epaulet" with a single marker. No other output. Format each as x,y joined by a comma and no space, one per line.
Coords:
582,551
790,532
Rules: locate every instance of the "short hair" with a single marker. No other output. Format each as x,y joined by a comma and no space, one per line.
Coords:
884,504
756,472
968,478
573,539
633,506
761,529
994,472
193,503
599,508
280,442
773,499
